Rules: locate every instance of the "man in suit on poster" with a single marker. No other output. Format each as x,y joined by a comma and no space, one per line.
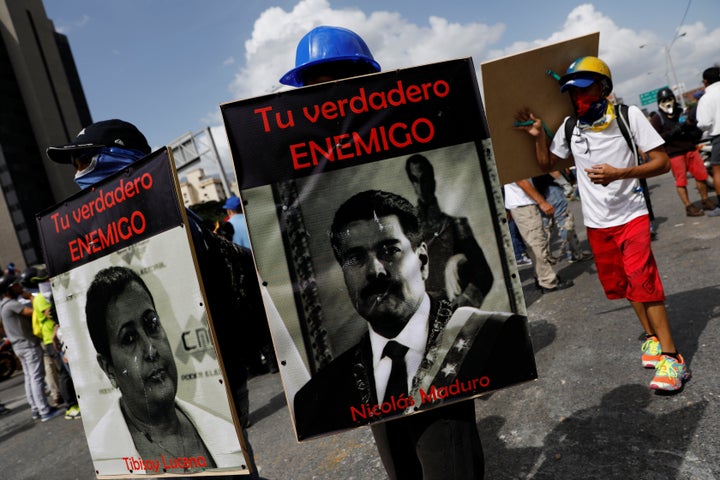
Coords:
443,353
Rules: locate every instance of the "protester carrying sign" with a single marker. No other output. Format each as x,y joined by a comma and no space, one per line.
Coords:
614,209
381,344
101,149
132,212
336,53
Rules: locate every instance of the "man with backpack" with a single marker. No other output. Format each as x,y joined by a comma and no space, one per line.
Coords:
681,138
614,208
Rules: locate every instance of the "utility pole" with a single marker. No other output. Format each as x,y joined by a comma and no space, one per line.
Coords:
671,67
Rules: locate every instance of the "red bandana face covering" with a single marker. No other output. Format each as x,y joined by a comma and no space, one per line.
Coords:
583,102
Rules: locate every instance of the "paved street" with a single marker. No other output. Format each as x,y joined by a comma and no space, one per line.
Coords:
590,415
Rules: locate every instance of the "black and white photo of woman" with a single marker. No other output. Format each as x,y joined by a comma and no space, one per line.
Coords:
135,353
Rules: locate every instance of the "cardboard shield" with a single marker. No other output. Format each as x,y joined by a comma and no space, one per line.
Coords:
520,81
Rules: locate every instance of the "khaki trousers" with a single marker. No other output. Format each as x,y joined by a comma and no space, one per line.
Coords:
529,222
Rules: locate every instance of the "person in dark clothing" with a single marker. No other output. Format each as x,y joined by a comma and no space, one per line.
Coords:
227,270
681,145
418,446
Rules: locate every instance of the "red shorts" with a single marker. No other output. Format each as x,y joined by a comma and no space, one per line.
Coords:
688,162
625,263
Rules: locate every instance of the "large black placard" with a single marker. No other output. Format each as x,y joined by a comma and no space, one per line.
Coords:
418,136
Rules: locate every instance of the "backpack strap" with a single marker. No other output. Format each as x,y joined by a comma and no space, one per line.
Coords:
569,126
624,124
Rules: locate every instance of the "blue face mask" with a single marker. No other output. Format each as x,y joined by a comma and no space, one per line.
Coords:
594,111
107,161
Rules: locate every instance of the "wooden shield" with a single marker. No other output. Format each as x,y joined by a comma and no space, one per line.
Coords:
522,81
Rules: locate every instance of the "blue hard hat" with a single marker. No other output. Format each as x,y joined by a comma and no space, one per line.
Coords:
328,44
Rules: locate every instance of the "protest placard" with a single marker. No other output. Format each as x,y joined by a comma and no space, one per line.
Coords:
374,201
134,322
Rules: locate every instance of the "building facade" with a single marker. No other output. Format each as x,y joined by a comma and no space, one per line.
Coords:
41,104
197,188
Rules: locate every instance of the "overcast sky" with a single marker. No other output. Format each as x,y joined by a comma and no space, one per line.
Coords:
166,65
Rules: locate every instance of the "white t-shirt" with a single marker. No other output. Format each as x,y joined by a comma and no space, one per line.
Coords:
516,197
620,201
708,110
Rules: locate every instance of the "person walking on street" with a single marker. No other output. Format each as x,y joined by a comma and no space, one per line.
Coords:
35,277
616,215
17,321
236,218
680,144
527,205
708,118
328,53
562,219
227,270
519,248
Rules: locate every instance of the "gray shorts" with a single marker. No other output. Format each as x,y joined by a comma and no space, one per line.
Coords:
715,152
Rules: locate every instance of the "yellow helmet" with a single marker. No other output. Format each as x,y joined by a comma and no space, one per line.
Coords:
584,71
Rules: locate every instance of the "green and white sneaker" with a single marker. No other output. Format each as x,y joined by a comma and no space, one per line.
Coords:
72,413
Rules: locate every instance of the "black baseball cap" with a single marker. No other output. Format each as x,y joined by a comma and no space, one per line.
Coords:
108,133
7,281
